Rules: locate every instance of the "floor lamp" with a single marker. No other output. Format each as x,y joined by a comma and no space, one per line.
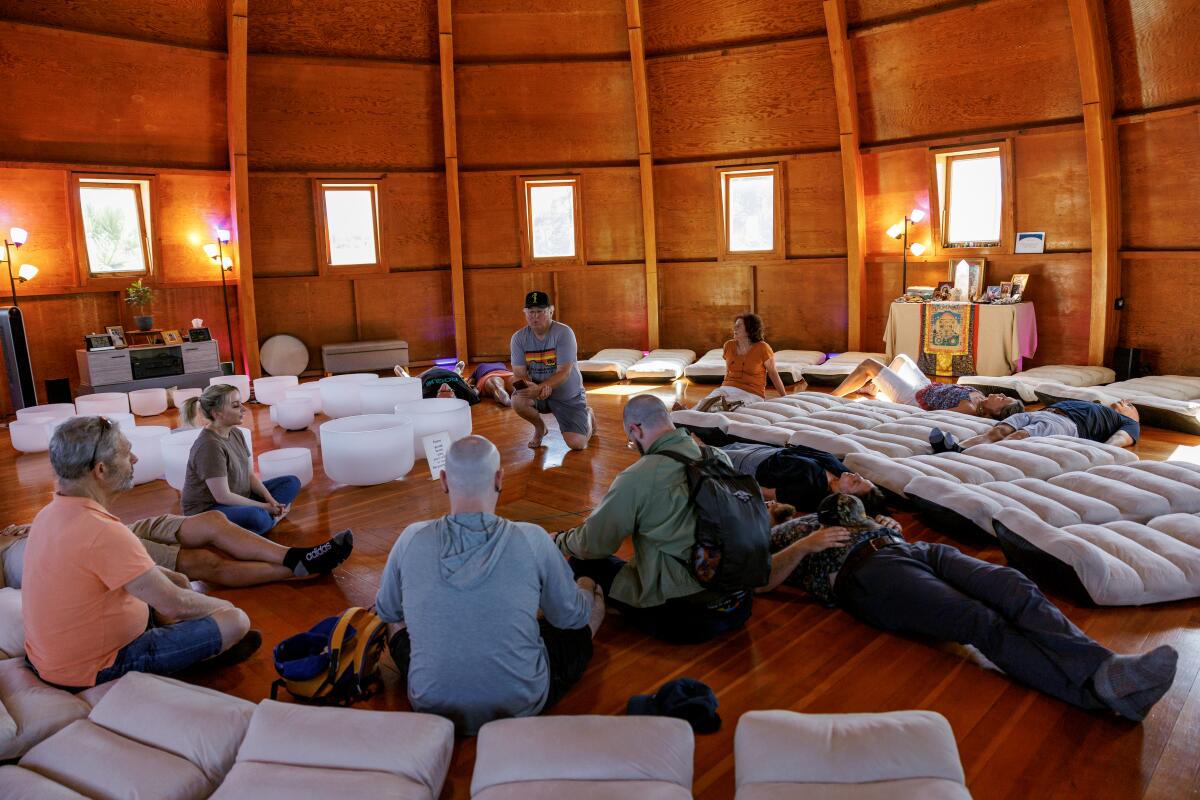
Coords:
217,253
899,230
27,272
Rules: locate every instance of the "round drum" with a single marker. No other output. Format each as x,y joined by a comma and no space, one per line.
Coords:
283,355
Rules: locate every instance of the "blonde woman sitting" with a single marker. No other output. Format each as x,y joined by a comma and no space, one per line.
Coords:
219,473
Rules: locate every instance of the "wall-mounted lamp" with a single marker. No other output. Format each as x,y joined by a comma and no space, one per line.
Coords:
900,230
26,272
217,253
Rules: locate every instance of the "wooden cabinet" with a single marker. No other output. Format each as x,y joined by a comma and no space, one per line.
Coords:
187,364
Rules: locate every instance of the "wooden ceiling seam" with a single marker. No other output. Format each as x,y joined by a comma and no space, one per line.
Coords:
458,288
853,191
17,26
641,106
892,21
239,184
1090,33
763,43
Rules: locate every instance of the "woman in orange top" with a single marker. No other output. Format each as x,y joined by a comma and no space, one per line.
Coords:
749,361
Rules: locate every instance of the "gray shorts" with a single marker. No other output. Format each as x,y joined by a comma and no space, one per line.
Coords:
571,414
1042,423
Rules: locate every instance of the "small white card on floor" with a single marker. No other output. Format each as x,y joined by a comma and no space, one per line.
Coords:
437,445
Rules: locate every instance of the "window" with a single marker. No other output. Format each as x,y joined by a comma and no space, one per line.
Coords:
971,185
552,230
115,217
351,217
748,204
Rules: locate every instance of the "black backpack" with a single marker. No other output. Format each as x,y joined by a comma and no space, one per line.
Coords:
733,529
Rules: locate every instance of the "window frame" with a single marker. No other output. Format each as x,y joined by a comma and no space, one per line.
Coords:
145,194
939,193
325,265
722,177
525,184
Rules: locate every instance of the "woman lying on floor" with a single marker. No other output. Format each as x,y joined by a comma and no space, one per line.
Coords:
843,558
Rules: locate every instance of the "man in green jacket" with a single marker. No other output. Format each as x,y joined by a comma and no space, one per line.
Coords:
648,502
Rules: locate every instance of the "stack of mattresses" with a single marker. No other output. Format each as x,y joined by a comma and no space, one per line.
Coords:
1024,385
835,370
1164,401
710,368
660,366
775,421
609,364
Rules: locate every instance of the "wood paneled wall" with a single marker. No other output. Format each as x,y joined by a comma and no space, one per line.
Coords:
547,86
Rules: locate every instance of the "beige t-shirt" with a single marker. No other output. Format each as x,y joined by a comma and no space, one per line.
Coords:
215,456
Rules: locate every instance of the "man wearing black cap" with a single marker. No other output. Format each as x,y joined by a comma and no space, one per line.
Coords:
544,356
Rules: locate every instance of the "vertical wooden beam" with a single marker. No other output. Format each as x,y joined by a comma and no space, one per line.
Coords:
846,92
641,107
1100,133
458,288
239,184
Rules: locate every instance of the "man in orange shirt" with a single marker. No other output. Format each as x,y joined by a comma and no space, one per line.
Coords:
95,604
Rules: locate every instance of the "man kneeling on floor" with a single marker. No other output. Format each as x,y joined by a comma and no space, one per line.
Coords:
843,558
95,604
650,503
461,596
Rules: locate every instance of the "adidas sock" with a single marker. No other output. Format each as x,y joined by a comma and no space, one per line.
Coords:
322,558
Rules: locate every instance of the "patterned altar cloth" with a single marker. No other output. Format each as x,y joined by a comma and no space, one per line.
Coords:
949,339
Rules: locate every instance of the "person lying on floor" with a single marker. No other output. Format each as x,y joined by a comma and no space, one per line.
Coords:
649,503
206,547
220,475
903,382
461,596
442,382
846,560
1117,424
495,380
94,604
802,476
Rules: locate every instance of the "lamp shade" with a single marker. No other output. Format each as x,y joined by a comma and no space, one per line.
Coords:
916,215
917,248
211,250
27,272
223,235
896,230
18,236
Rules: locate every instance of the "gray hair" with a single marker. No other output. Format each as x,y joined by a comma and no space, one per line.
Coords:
471,466
646,410
81,443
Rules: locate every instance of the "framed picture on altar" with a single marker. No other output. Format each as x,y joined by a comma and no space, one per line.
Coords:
1019,282
1006,290
974,268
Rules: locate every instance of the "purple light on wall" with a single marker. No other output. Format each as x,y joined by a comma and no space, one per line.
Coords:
445,363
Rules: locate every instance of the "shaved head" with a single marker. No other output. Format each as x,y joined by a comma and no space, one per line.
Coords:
648,411
471,467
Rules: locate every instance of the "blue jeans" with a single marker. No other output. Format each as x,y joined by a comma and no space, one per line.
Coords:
284,489
166,649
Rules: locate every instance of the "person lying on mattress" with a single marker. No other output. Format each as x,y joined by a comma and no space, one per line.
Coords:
903,382
1116,424
844,559
802,476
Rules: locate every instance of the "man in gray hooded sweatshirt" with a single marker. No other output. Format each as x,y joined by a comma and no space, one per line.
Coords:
461,596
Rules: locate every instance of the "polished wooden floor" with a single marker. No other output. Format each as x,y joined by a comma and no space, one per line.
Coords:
794,654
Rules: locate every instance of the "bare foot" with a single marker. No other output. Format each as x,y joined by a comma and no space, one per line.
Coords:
502,397
400,371
591,423
678,406
538,434
868,389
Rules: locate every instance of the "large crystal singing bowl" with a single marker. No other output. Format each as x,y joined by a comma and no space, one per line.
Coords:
341,395
242,382
293,415
179,396
176,448
31,434
123,420
88,405
435,415
147,446
148,402
287,461
381,396
269,391
310,391
367,449
56,410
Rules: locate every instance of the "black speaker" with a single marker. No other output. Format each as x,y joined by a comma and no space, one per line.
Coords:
1127,362
14,346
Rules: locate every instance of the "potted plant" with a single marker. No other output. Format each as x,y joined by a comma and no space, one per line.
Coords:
138,295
